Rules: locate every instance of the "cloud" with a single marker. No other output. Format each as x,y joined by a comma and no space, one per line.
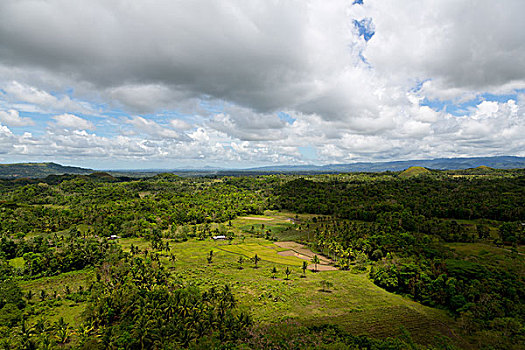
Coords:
152,97
209,80
461,47
27,96
153,129
180,124
263,55
70,121
247,125
13,118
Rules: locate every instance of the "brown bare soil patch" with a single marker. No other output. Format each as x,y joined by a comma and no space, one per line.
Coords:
254,218
302,252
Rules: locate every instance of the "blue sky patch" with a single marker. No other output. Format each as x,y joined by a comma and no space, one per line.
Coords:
365,28
460,109
308,152
286,117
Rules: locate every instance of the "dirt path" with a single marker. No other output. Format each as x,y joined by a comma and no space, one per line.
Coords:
302,252
254,218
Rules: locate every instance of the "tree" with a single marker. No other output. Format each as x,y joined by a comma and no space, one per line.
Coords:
62,331
172,259
256,260
287,272
210,257
315,261
11,302
240,261
304,267
274,271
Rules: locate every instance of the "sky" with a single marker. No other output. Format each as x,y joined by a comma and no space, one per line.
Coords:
143,84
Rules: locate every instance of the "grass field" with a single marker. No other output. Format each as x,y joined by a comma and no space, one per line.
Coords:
52,310
353,301
267,252
72,279
17,262
488,254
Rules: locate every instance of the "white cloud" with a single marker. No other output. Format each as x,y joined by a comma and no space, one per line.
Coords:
462,47
153,129
28,97
70,121
231,66
180,124
13,118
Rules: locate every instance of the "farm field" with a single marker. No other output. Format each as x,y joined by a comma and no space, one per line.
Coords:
353,301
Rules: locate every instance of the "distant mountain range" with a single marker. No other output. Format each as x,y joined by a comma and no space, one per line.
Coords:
39,170
502,162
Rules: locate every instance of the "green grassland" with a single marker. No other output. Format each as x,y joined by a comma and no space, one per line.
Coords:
490,255
53,310
73,279
353,301
17,262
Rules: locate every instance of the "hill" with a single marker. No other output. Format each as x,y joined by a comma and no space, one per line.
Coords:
414,171
478,165
501,162
38,170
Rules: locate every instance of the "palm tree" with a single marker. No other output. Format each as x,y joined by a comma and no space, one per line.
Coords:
256,259
315,261
304,267
240,261
287,272
26,334
62,330
84,331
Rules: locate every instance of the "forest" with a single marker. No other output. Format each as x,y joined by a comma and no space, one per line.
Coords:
419,259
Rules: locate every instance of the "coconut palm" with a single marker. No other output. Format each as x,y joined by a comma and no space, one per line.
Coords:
62,331
315,261
240,261
172,259
255,260
304,267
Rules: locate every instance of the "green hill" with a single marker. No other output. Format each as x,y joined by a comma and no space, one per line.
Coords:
38,170
482,169
414,171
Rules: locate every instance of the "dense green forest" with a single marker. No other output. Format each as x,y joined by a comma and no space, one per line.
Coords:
96,261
